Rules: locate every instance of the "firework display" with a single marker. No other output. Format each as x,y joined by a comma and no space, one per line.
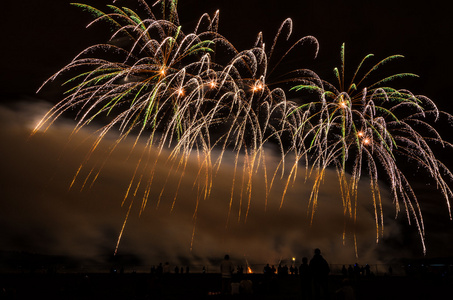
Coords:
193,92
372,129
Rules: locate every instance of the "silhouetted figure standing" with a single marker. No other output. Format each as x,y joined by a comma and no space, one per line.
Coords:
267,270
367,270
356,271
160,269
226,269
344,271
351,272
319,269
305,279
240,270
285,270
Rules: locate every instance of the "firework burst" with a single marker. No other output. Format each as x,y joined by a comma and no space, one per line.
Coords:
161,85
372,130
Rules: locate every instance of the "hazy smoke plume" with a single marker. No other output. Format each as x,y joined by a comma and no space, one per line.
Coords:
41,214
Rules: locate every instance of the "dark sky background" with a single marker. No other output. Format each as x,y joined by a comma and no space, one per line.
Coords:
39,214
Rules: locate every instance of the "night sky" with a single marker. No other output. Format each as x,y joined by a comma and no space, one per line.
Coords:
41,215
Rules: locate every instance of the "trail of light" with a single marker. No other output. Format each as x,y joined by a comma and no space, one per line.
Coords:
122,228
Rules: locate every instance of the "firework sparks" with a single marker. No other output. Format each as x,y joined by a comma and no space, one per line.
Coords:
375,129
166,87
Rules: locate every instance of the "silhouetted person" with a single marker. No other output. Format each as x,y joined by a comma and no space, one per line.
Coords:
267,270
305,279
226,269
160,269
356,271
319,269
240,270
285,270
351,271
367,270
344,271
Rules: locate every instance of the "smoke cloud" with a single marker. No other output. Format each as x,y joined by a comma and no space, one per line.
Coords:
41,212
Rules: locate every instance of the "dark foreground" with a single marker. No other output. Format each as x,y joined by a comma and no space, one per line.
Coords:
206,286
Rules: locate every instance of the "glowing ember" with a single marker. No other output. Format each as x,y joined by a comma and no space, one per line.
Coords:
257,87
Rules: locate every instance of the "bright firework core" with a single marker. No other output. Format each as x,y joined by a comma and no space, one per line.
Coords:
257,87
343,104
